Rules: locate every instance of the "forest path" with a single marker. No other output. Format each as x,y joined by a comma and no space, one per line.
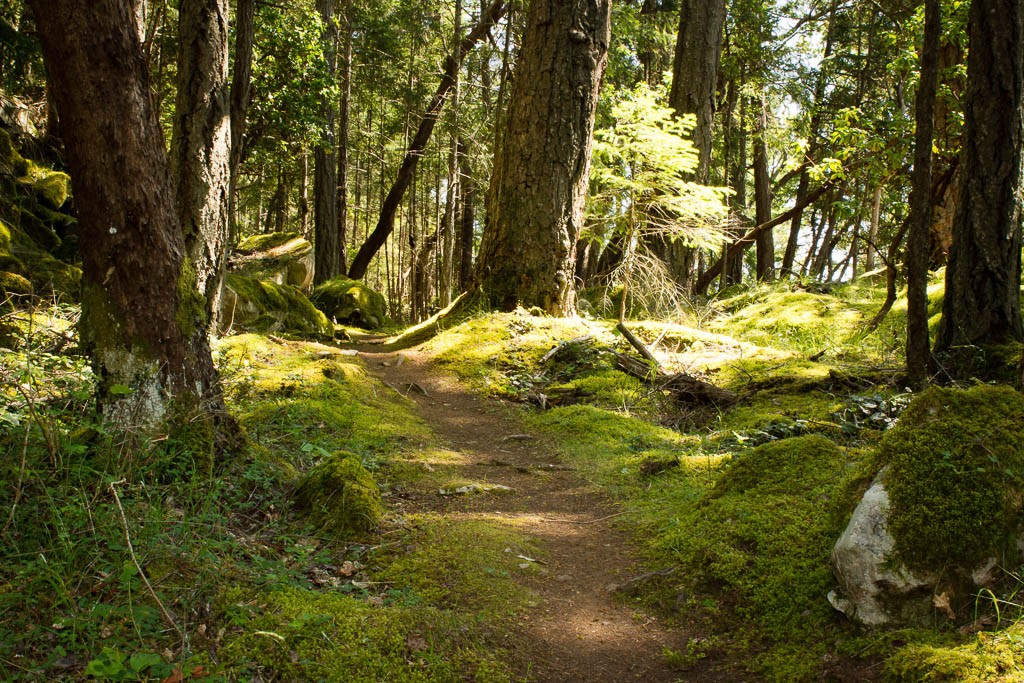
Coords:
578,630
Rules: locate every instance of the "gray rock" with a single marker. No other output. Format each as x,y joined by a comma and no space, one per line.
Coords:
863,563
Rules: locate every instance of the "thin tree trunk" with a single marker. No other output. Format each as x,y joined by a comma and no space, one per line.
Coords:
763,198
344,115
386,221
468,186
241,80
201,143
792,243
327,248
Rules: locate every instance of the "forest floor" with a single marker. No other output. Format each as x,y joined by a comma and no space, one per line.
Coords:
580,628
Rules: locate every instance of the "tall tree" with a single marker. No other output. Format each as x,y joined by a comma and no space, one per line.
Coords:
920,201
201,142
344,116
982,301
541,170
241,81
763,196
142,317
695,70
325,173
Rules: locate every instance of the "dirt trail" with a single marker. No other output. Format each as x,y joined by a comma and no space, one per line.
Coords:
578,631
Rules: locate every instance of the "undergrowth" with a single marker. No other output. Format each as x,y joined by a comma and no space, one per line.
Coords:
118,568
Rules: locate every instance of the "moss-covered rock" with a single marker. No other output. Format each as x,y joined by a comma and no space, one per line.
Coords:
22,256
944,511
12,284
351,302
262,306
956,461
340,496
51,187
285,258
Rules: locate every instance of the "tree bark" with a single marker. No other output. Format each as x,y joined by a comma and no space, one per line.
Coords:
535,203
201,143
763,199
982,301
344,116
386,222
327,247
695,71
468,186
143,320
918,349
241,93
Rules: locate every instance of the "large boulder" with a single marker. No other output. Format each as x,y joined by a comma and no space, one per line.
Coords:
263,306
350,302
943,512
285,258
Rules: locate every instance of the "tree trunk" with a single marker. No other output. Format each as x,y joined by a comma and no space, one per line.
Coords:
695,72
763,198
201,143
918,349
982,301
143,320
535,204
241,80
386,221
468,186
327,248
344,115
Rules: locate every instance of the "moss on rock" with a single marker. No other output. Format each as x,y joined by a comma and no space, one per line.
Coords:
956,462
285,258
351,302
266,242
262,306
340,496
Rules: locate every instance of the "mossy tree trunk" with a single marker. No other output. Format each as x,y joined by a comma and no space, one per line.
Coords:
143,319
535,204
201,143
981,306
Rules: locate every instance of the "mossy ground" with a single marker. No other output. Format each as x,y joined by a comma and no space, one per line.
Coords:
249,578
744,507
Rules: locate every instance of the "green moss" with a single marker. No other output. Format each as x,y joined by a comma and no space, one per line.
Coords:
266,242
476,559
52,187
987,658
336,638
956,461
42,234
266,306
340,496
351,302
13,284
759,540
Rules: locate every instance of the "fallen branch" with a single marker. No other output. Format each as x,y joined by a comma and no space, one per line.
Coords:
684,387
